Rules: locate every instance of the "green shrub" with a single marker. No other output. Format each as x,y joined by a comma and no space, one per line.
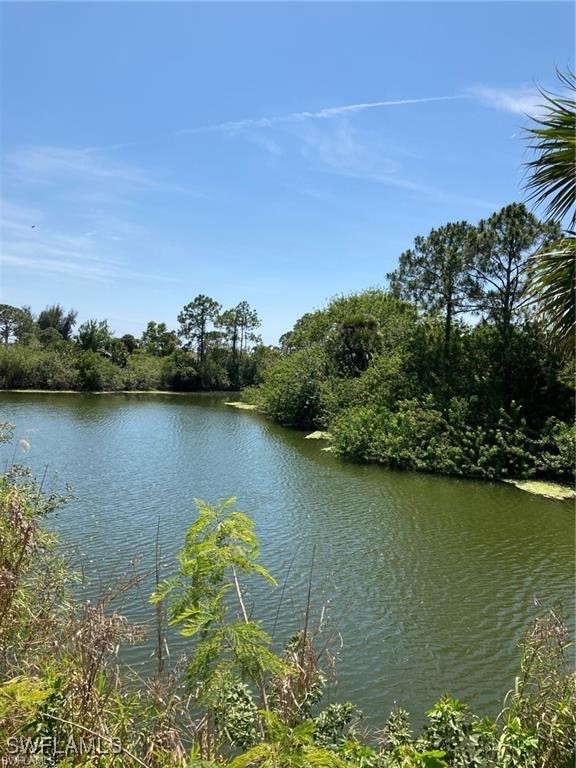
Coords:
27,368
96,373
143,371
418,435
292,392
180,372
557,456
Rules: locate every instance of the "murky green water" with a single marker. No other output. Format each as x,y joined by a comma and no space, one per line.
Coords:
430,581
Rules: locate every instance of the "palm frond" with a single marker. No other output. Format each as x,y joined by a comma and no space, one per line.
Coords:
553,286
552,180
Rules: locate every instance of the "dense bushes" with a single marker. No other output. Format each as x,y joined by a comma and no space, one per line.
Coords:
96,373
144,371
557,449
419,436
388,393
63,365
292,390
28,368
405,378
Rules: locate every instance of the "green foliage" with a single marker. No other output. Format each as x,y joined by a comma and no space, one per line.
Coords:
194,320
15,323
220,546
61,365
557,450
504,243
383,383
143,371
234,711
553,287
237,328
285,747
420,435
158,340
42,355
553,135
214,373
437,273
292,392
517,746
129,342
353,344
395,320
94,336
28,368
331,725
181,372
541,717
20,699
253,368
552,183
56,317
31,571
49,337
449,728
97,373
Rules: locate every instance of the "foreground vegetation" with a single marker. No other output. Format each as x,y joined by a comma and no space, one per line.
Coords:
233,700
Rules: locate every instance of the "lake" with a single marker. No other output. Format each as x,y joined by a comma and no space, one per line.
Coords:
430,582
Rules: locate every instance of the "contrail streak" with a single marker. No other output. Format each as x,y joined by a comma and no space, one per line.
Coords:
265,122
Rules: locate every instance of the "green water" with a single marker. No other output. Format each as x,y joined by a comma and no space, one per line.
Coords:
430,581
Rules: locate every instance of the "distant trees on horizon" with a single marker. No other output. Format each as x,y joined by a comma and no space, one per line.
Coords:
211,349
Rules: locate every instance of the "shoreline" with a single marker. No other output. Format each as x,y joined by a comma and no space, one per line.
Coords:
216,392
547,489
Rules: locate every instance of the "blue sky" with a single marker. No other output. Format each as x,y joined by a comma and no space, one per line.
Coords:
279,153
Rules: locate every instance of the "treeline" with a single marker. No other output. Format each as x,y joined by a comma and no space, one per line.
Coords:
233,700
449,371
212,349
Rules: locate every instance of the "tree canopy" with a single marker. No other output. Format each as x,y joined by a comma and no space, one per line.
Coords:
55,316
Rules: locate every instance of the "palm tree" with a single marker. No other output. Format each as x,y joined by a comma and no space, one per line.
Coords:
56,317
552,182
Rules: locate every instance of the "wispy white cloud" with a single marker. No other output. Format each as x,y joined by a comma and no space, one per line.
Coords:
331,143
520,101
100,272
76,231
265,142
16,215
233,126
338,149
43,163
61,267
92,166
29,243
